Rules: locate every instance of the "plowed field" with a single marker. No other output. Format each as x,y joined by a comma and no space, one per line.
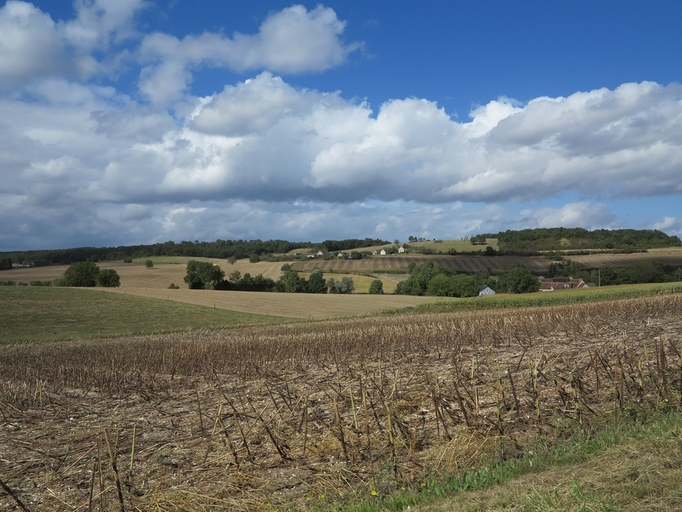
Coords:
496,264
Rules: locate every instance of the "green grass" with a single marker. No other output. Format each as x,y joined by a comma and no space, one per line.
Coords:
556,298
627,465
39,313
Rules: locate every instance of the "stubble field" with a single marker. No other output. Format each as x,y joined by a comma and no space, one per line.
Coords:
308,414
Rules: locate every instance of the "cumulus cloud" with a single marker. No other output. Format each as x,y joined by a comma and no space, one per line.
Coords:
293,40
32,45
583,214
264,156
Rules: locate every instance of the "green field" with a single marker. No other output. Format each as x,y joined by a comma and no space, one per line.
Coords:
555,298
38,313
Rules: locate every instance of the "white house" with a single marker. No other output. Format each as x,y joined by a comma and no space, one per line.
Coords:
383,252
485,290
401,250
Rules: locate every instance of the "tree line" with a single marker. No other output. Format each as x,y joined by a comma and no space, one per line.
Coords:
222,249
206,275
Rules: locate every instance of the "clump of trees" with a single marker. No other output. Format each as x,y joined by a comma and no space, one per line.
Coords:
88,274
6,264
203,275
518,279
345,285
430,279
206,275
247,283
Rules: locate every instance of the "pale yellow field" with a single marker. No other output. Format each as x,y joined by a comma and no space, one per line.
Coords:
136,279
292,305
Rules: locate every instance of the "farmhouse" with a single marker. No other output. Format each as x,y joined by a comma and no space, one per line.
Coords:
401,250
485,290
560,283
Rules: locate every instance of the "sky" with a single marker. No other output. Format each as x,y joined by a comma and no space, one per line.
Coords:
126,122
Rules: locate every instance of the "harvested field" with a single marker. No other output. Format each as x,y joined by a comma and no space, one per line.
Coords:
292,305
670,257
470,264
144,282
312,413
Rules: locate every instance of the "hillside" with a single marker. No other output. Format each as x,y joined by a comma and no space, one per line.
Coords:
563,239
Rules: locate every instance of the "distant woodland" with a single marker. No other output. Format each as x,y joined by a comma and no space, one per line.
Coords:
555,239
223,249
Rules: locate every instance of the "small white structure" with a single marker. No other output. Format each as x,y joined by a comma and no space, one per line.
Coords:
485,290
383,252
401,250
320,253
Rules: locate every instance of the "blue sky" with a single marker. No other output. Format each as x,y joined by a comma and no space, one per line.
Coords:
131,122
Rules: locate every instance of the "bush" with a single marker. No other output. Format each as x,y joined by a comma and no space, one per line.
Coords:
127,260
40,283
7,283
173,286
149,264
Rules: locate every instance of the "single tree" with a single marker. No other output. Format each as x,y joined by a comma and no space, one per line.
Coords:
376,287
316,283
149,264
109,278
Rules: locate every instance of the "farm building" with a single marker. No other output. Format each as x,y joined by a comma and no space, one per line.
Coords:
485,290
560,283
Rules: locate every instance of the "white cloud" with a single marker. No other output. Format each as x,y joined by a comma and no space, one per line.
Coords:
293,40
263,156
30,45
585,215
670,225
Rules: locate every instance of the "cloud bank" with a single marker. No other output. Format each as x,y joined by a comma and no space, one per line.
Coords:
86,163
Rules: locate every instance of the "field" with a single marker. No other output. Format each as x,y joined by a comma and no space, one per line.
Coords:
39,313
496,264
312,415
670,256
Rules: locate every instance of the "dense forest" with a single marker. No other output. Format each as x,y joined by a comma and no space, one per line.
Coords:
223,249
553,239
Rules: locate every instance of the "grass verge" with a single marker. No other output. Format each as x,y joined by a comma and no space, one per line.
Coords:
39,313
628,465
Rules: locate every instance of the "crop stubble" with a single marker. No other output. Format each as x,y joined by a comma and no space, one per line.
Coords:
248,418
